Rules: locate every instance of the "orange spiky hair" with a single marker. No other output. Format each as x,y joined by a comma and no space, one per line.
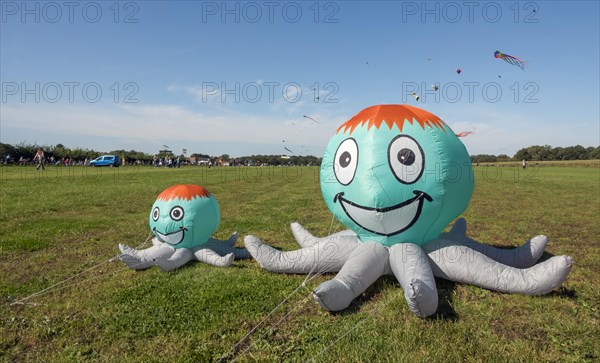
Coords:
183,191
391,115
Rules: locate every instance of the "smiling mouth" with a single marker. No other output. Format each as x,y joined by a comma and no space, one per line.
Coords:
172,238
386,221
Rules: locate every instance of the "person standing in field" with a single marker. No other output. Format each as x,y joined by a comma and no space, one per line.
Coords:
39,158
524,164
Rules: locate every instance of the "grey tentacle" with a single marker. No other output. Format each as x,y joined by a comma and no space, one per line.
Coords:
213,258
325,256
306,239
224,248
365,265
179,258
143,259
523,256
464,264
410,265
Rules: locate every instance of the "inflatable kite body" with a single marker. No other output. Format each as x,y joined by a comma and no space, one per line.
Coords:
182,220
396,175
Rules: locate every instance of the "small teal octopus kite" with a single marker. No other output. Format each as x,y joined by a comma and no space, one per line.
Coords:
182,220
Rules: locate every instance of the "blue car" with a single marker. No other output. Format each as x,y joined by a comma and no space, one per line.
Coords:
106,160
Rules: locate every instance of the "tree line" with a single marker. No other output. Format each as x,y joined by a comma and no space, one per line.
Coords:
277,160
543,153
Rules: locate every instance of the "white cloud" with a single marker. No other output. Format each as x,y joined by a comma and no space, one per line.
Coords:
204,93
160,123
142,126
506,133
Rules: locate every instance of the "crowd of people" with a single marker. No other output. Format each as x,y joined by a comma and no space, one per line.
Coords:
40,160
168,162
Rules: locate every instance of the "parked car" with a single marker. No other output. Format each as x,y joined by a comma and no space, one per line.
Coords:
106,160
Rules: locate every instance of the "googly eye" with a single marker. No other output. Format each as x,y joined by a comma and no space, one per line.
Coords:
345,161
155,214
176,213
406,159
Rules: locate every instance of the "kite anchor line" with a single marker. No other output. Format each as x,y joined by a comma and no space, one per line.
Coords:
260,323
277,323
370,314
251,331
331,225
51,288
308,278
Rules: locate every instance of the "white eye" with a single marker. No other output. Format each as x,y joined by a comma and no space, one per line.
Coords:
406,159
345,161
176,213
155,214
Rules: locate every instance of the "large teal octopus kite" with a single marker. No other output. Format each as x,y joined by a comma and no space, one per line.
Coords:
396,175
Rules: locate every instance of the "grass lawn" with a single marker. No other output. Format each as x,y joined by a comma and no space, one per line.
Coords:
66,221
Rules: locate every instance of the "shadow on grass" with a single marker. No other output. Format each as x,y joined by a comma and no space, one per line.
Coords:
238,266
357,304
444,312
562,292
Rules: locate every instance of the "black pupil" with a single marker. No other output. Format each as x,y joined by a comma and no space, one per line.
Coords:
176,213
345,159
406,156
156,213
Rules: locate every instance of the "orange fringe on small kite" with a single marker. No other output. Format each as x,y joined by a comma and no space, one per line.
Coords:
183,191
392,115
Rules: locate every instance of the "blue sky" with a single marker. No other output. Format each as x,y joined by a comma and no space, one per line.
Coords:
238,77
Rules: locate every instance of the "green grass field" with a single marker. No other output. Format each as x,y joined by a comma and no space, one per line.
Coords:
66,221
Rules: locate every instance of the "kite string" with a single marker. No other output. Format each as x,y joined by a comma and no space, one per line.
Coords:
124,268
262,321
48,289
41,292
307,279
370,314
310,276
320,272
303,284
331,225
276,324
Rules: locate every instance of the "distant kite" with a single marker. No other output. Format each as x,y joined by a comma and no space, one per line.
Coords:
510,59
416,96
464,133
458,70
310,118
435,87
288,149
